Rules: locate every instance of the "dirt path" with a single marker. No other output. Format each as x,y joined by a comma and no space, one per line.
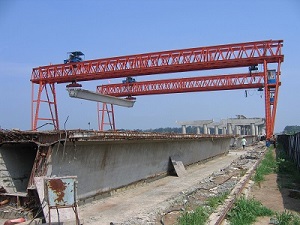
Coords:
269,195
274,198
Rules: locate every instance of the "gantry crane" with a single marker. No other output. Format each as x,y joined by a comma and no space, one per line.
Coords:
249,54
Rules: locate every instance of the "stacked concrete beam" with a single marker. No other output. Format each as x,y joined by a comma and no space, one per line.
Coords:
237,126
197,124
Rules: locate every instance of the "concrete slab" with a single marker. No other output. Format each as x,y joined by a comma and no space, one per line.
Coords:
178,166
144,202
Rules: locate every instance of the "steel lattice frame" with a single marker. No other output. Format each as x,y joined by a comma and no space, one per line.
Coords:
202,58
198,84
182,85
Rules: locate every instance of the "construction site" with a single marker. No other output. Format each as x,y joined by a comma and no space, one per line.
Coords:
86,176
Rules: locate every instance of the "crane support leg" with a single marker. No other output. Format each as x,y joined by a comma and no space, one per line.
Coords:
271,86
48,97
106,116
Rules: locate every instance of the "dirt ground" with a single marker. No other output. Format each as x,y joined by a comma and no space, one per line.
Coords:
269,194
274,198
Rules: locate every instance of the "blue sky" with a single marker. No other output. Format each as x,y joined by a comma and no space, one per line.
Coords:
36,33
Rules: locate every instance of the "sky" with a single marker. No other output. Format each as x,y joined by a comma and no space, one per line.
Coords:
37,33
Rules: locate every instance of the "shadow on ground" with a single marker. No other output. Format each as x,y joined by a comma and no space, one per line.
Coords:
288,181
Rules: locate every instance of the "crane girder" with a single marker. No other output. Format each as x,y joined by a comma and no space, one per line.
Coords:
191,84
248,54
201,58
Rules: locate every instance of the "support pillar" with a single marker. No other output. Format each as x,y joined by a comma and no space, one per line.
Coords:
183,129
216,130
205,129
256,130
237,130
229,128
252,129
263,131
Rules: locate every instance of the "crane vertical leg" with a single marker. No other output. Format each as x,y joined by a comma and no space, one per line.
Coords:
106,113
278,72
267,102
49,100
271,99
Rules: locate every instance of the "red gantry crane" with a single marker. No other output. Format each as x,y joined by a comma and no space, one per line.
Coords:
248,54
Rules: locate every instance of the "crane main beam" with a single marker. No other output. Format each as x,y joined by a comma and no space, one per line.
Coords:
248,54
201,58
191,84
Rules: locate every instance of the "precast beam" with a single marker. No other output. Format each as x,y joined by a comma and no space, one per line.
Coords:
195,123
245,122
97,97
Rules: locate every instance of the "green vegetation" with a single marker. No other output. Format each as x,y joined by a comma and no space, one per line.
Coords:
201,214
245,211
268,165
287,218
214,201
291,129
197,217
177,130
289,176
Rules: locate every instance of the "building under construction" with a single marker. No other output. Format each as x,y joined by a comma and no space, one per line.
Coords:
104,161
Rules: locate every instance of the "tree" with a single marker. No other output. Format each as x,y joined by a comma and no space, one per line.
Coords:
291,129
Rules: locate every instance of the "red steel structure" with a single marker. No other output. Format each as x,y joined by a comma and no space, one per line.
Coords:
192,59
182,85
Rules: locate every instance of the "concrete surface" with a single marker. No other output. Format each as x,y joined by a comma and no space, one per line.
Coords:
105,166
140,205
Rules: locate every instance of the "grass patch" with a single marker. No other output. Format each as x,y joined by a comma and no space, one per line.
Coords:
267,166
202,213
281,165
287,170
285,164
197,217
214,201
245,211
287,218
